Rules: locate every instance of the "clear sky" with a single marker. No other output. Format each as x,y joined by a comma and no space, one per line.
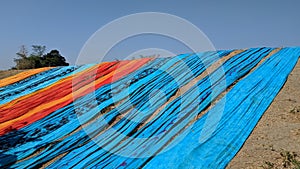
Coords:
67,24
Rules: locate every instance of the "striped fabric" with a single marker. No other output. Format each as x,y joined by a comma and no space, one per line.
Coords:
188,111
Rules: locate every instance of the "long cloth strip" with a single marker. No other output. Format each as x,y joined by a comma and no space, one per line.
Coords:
129,115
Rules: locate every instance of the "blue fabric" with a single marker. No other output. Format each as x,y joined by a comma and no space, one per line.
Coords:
99,154
178,136
38,82
69,111
244,105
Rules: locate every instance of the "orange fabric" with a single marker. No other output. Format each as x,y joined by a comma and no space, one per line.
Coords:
20,105
21,76
42,103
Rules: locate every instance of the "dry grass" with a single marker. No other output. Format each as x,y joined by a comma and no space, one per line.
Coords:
7,73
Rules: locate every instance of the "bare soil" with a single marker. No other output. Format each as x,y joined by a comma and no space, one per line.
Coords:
7,73
275,141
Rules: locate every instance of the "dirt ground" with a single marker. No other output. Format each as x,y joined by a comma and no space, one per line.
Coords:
7,73
275,141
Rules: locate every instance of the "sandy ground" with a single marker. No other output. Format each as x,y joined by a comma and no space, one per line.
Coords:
7,73
277,132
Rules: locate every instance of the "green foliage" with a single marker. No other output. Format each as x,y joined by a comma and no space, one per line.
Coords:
38,50
54,59
38,59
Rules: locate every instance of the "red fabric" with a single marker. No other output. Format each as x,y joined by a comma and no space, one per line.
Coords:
61,90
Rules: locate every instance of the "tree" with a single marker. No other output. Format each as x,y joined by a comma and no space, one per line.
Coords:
36,56
22,52
22,61
38,50
38,59
54,59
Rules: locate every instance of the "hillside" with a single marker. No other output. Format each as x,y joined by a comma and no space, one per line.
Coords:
8,73
186,111
277,132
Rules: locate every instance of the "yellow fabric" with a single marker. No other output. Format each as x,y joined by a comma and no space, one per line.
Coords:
67,97
9,104
21,76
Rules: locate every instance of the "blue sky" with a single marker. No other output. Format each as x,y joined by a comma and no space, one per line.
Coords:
67,24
